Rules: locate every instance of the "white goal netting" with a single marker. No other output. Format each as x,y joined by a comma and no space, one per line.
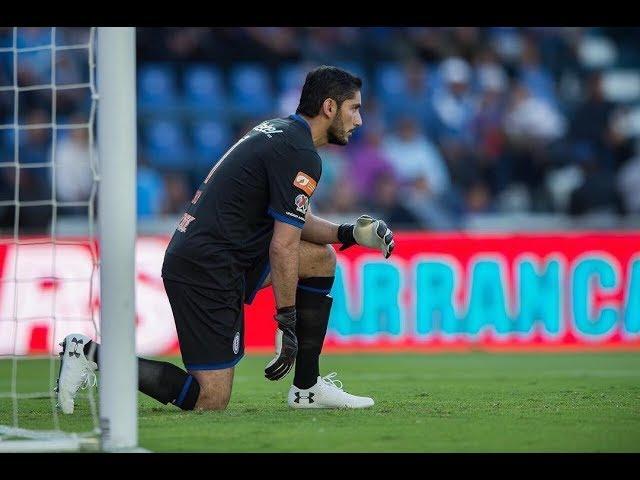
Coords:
48,273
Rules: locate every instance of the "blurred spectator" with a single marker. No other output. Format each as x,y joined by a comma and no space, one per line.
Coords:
429,43
324,45
598,192
534,75
417,102
558,48
74,175
32,183
486,56
187,43
622,135
176,193
532,121
488,126
386,200
34,66
531,125
382,44
422,174
591,122
507,42
464,42
453,101
628,182
455,106
276,44
177,44
368,161
433,212
413,157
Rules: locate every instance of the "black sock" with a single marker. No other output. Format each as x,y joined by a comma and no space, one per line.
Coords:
167,383
313,305
163,381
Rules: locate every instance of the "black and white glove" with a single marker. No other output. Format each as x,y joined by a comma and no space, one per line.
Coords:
367,232
286,344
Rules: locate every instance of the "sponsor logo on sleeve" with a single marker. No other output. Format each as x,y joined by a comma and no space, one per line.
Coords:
305,183
302,203
295,216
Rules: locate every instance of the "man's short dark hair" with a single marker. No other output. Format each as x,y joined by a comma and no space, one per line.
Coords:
326,82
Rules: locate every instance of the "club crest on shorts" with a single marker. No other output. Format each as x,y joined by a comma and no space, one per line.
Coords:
236,343
302,203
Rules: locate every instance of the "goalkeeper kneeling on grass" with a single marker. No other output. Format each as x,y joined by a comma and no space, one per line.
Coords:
249,225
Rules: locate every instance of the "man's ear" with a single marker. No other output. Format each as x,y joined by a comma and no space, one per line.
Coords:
329,107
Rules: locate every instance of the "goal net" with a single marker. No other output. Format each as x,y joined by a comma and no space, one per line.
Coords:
49,259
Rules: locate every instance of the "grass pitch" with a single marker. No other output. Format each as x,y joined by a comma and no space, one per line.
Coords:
470,402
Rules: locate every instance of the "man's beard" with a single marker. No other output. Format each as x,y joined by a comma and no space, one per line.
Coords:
336,134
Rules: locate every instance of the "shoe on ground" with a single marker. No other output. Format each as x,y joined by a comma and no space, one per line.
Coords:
76,371
326,393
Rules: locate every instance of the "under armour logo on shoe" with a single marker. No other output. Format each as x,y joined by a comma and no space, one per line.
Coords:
75,347
308,397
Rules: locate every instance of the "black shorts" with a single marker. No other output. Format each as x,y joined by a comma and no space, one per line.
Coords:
255,277
210,323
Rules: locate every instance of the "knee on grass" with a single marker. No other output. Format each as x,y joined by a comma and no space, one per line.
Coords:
212,402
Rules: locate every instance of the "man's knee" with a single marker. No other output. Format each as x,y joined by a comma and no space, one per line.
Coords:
212,402
215,388
317,260
328,257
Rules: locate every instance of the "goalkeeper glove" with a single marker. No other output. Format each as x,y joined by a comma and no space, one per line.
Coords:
286,344
367,232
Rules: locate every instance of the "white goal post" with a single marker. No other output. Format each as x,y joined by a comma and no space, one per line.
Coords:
113,105
117,219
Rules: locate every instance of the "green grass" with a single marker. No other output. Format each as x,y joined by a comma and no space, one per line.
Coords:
475,402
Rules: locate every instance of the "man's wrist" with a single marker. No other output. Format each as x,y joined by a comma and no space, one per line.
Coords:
286,310
286,317
345,234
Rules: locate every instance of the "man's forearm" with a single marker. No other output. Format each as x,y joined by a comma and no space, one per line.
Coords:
284,272
320,231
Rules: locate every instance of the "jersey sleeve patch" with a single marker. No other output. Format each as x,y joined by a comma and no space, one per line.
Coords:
305,183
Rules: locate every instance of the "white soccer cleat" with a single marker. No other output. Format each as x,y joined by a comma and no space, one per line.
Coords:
76,371
326,394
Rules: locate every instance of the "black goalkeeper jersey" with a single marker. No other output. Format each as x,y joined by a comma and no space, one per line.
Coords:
270,173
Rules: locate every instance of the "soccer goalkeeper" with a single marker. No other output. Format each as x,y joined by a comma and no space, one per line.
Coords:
250,225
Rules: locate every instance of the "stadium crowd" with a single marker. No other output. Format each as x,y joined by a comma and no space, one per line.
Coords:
457,121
